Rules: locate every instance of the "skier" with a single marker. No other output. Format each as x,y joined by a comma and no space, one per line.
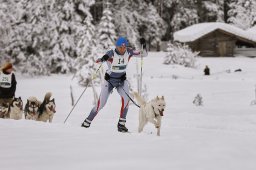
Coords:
7,83
115,77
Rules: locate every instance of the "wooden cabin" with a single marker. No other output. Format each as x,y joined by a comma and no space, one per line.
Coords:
215,39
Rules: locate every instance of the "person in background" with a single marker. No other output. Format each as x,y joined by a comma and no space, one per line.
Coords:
206,71
7,83
115,77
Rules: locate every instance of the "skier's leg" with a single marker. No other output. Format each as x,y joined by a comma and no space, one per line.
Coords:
106,89
125,105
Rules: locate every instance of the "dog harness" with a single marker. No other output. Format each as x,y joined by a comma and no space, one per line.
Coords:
154,112
5,80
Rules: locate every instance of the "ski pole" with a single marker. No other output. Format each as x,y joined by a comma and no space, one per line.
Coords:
88,81
141,63
142,43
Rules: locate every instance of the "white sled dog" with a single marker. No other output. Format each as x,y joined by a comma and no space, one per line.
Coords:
47,109
4,110
16,109
31,108
151,111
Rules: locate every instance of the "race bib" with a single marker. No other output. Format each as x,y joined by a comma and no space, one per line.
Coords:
119,63
5,80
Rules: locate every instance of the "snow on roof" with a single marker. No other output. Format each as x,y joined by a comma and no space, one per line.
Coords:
252,30
196,31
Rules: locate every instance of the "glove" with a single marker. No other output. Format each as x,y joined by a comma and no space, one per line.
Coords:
99,60
143,43
123,77
107,76
104,58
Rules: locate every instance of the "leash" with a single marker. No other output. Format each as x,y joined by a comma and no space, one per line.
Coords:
125,93
88,81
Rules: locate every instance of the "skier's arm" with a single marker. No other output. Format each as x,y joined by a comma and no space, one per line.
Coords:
12,89
102,59
105,57
136,53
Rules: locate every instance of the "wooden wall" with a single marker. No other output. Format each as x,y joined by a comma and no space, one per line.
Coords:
217,43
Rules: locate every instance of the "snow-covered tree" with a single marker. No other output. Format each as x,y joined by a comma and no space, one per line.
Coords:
198,100
127,25
180,54
186,15
106,30
138,19
211,11
86,39
45,31
29,32
155,26
242,13
178,15
5,28
87,51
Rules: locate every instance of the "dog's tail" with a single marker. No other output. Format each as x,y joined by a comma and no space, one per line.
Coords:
46,99
47,96
139,99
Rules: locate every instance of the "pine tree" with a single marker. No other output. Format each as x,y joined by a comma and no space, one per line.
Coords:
106,30
210,10
155,27
185,15
138,19
87,41
242,13
30,37
45,31
127,15
87,50
5,29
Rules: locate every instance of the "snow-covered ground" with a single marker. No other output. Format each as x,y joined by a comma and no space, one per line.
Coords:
220,135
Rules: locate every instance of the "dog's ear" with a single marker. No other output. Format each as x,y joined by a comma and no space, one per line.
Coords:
163,97
157,98
20,98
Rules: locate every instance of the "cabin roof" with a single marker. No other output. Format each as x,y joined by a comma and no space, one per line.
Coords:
196,31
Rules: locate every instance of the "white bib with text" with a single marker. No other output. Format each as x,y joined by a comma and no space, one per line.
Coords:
5,80
120,62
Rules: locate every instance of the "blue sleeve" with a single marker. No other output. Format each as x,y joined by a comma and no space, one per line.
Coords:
110,53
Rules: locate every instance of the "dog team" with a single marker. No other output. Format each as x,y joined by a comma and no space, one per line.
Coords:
33,110
11,107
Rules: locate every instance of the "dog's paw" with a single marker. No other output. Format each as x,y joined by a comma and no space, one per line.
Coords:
157,126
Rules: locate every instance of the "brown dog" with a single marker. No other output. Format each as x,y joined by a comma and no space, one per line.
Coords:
47,109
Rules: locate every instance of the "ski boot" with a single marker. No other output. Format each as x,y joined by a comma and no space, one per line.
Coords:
86,123
121,125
